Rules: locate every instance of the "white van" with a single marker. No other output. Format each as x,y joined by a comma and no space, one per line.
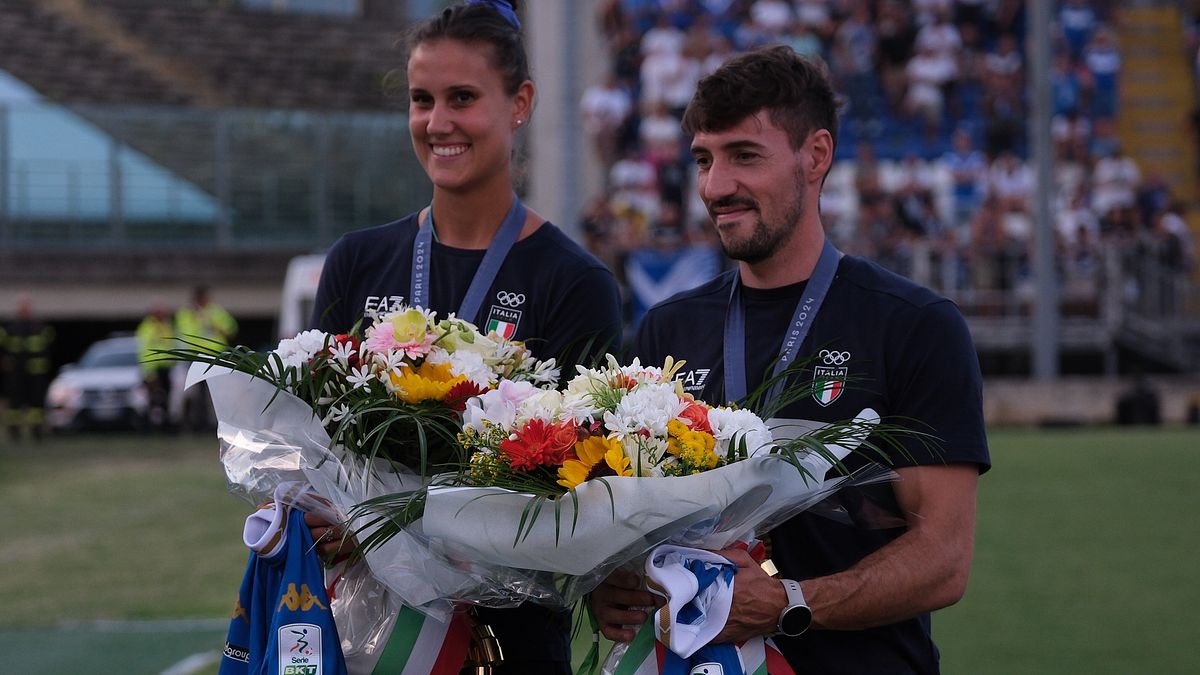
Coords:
299,293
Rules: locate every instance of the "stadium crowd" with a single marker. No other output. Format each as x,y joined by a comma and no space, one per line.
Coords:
932,147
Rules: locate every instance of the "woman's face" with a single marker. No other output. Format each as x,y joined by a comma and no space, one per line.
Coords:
460,118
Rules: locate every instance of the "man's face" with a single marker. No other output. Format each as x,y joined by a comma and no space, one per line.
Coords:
751,183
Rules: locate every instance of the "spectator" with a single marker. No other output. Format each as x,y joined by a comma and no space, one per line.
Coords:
1004,76
853,58
1071,134
1115,177
968,171
605,108
1066,86
897,34
1103,63
1010,183
927,74
1077,21
942,37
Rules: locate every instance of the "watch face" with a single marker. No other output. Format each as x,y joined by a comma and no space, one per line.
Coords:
795,620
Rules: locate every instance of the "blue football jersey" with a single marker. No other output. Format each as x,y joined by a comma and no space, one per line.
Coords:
282,624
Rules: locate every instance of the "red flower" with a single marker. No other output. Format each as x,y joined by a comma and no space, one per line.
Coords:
457,397
540,444
696,417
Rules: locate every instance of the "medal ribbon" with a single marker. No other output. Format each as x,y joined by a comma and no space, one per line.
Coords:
489,267
806,310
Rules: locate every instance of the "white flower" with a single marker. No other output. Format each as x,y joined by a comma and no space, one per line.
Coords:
466,363
498,406
312,341
360,376
337,413
543,404
649,408
586,382
580,408
738,425
342,353
645,454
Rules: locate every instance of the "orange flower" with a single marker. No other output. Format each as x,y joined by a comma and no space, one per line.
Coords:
696,416
540,444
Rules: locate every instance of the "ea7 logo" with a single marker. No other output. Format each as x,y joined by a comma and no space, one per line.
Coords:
695,379
378,305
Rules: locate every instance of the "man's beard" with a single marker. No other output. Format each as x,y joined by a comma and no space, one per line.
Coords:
766,239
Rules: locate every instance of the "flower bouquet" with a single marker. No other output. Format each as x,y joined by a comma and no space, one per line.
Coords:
574,483
360,417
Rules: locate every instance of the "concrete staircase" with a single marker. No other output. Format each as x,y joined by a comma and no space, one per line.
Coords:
1157,96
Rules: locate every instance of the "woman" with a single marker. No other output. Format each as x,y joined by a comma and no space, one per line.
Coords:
469,93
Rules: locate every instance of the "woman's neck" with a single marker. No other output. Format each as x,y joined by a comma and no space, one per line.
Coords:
470,220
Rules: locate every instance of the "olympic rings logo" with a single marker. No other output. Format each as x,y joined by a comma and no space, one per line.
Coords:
510,299
834,358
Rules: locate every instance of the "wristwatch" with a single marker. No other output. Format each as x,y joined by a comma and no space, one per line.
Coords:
796,617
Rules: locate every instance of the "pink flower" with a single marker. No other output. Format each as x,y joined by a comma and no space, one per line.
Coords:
405,331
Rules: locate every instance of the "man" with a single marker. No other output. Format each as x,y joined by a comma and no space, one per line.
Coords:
202,323
763,129
25,347
155,333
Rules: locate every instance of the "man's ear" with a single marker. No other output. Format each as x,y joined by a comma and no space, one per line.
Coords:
818,155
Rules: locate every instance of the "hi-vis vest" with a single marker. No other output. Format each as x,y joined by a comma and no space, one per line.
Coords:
26,346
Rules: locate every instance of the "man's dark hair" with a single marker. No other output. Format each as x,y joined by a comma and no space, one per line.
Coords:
479,23
794,90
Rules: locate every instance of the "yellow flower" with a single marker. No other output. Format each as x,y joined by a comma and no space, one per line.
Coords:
693,448
427,382
598,456
409,326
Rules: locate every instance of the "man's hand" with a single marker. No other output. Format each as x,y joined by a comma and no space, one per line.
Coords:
758,600
333,544
620,602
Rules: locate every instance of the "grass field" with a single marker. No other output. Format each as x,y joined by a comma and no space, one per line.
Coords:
122,556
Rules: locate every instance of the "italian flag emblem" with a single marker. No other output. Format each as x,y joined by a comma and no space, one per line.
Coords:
828,383
503,322
504,329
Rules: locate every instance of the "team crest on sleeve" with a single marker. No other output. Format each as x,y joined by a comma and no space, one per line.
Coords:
829,379
504,318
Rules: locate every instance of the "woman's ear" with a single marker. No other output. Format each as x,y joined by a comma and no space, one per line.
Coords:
523,104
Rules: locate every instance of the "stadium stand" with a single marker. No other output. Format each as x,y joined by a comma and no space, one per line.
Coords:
932,178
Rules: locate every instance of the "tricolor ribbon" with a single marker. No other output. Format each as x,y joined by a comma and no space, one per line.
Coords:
422,645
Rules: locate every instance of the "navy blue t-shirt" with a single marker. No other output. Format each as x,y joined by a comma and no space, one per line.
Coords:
879,341
549,292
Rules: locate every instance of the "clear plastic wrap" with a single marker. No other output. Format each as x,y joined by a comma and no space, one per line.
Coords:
465,548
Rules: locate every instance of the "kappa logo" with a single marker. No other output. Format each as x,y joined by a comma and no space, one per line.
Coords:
710,668
303,600
829,380
693,380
